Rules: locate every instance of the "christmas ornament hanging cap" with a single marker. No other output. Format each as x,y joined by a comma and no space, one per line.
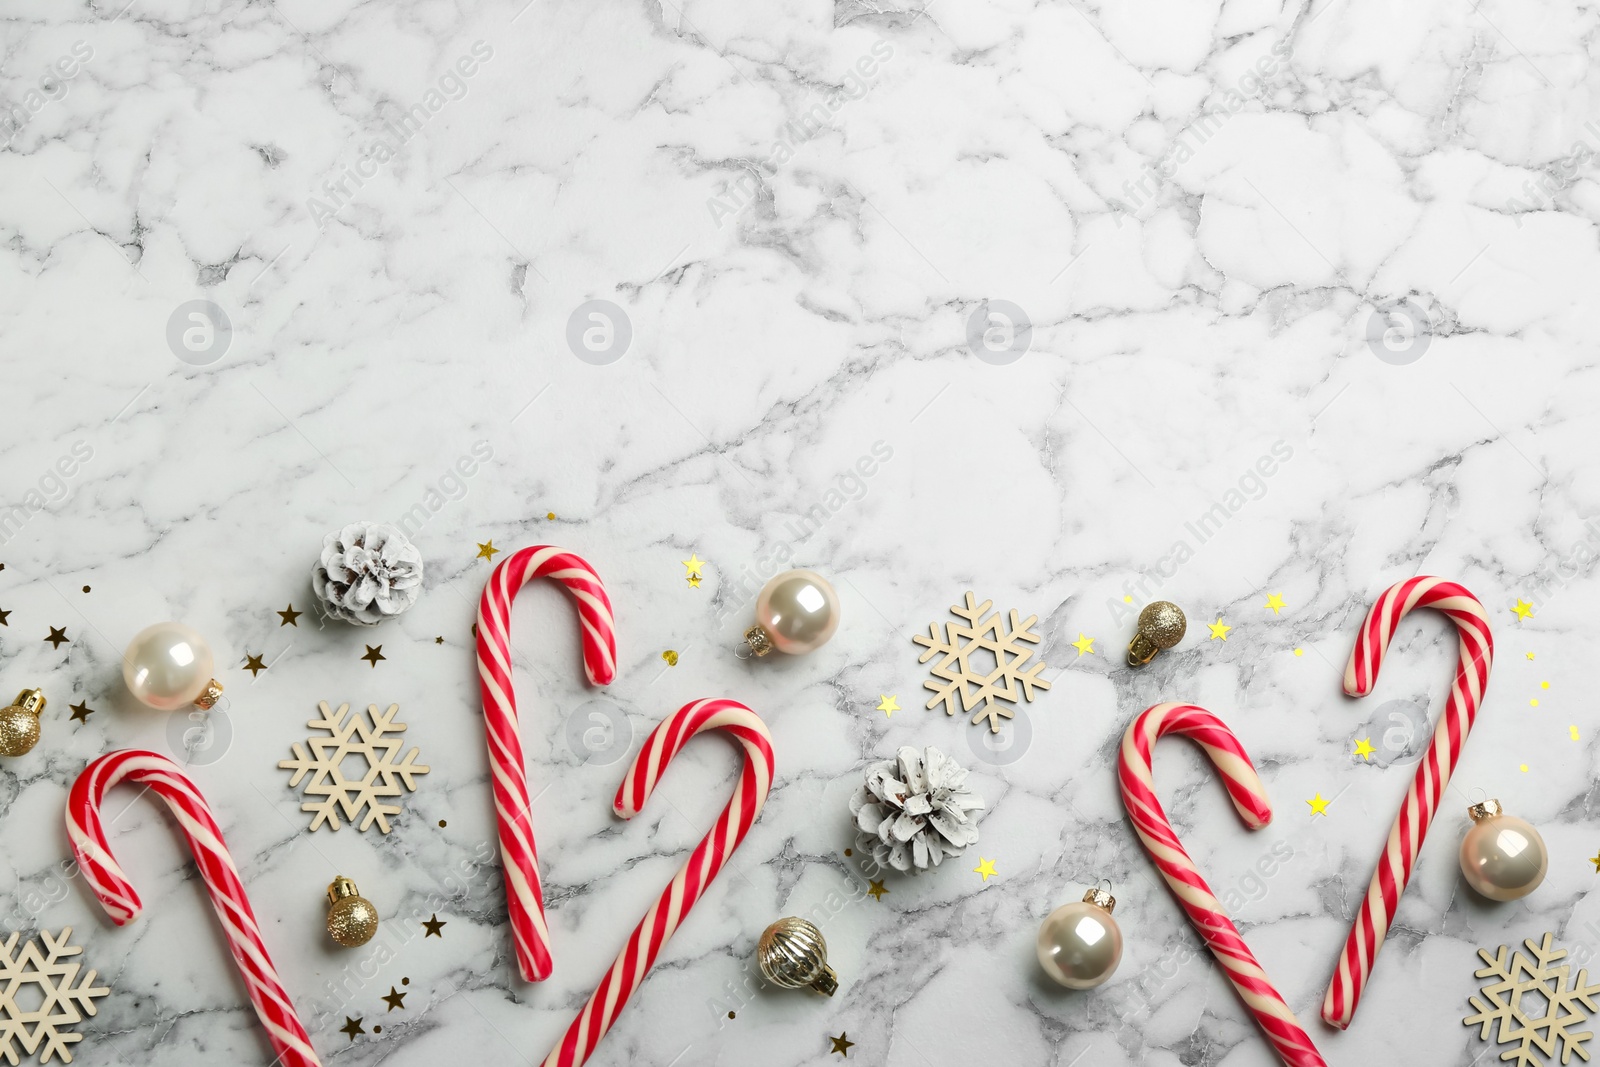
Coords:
1488,809
1102,899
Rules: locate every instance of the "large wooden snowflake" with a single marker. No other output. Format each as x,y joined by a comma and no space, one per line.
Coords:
64,1001
377,744
1520,985
957,677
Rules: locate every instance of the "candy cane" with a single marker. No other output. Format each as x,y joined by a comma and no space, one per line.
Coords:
524,892
1476,654
117,895
708,857
1288,1038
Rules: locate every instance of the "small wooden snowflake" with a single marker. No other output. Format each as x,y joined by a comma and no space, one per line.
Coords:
378,744
1520,984
956,676
63,999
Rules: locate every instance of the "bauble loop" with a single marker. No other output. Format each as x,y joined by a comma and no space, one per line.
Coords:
796,612
1502,857
168,666
368,572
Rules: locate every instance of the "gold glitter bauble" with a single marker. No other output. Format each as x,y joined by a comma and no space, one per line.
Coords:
19,723
793,954
352,920
1161,625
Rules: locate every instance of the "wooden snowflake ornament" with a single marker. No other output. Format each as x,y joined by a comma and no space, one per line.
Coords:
1504,1004
378,744
957,676
63,999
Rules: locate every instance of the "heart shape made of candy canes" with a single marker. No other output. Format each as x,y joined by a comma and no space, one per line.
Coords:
1249,796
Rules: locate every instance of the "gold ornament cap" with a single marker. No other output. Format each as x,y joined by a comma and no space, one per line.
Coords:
1161,625
1488,809
352,920
209,695
1101,898
792,954
19,723
758,640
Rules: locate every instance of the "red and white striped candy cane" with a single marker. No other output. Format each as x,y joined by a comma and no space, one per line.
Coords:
1288,1038
524,892
708,857
117,895
1476,655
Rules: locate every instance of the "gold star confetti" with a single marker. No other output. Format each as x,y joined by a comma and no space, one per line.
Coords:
289,615
1219,631
694,564
1083,644
486,550
58,636
4,615
671,657
439,640
875,890
395,999
1530,655
1596,862
253,664
1574,730
374,655
842,1044
1318,805
433,926
694,581
888,704
351,1027
1275,602
1544,685
81,711
985,868
1364,748
1523,609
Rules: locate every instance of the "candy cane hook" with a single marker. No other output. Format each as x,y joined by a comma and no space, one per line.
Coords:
708,857
1476,655
1149,819
524,891
117,895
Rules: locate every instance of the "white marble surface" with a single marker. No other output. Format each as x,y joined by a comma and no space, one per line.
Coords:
1201,284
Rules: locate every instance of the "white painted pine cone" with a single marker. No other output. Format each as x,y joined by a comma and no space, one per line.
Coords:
915,810
368,572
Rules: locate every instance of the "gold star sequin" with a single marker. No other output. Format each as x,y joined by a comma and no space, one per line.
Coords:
289,615
1083,644
433,926
1274,603
694,581
4,615
888,704
374,655
81,711
351,1027
875,890
1522,609
1318,805
985,868
253,664
1596,862
1219,631
1364,748
395,999
486,550
842,1044
58,636
694,564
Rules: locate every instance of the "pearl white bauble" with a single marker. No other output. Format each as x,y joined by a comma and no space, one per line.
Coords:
797,611
167,666
1503,857
1079,945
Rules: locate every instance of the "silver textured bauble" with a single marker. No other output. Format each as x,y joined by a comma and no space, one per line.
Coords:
793,954
796,611
1502,857
168,666
1080,944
